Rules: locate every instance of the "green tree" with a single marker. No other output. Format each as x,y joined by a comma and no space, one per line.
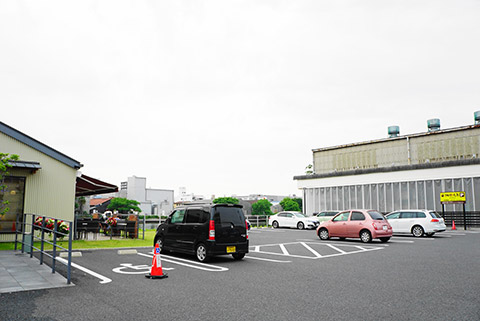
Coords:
289,204
299,202
4,166
262,207
123,205
225,200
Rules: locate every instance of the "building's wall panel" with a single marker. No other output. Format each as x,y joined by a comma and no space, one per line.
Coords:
51,190
427,148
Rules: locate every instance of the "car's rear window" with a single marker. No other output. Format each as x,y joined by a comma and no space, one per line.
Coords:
434,215
226,215
376,216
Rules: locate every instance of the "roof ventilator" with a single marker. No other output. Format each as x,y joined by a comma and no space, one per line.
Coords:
433,124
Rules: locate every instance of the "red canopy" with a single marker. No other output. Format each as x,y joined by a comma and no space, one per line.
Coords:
87,185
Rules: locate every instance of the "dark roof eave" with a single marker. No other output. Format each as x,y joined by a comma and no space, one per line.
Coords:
41,147
462,162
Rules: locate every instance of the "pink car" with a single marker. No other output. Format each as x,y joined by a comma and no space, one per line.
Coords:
365,224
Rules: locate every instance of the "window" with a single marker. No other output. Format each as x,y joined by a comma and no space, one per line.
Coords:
393,216
14,194
434,215
420,215
357,216
376,216
407,215
342,217
196,216
177,216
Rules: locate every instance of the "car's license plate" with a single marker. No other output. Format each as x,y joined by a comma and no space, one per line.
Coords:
384,227
231,249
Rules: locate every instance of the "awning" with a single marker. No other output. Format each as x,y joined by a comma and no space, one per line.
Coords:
87,185
25,165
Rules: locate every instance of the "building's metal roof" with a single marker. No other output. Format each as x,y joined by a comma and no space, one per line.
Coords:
35,144
25,164
389,139
461,162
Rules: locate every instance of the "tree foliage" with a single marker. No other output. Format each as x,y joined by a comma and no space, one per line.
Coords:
299,201
123,205
225,200
262,207
289,204
4,166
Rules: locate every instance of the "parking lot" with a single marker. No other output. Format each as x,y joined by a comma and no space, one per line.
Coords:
288,275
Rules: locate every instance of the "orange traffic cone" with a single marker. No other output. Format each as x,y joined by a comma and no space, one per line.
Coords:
156,272
453,225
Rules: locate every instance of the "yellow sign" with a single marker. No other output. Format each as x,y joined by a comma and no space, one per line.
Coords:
452,197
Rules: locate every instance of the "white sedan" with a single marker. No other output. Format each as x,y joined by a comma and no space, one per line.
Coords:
416,222
292,219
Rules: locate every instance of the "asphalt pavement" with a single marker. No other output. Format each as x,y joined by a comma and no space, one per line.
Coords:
288,275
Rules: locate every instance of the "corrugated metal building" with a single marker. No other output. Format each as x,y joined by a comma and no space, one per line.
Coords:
42,182
398,172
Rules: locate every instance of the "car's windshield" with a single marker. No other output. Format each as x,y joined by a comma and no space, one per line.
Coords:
299,215
376,216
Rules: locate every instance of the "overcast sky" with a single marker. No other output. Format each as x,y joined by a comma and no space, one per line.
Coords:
230,97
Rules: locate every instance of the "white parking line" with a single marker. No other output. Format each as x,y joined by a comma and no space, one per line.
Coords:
284,250
337,249
311,250
103,279
188,263
282,246
263,259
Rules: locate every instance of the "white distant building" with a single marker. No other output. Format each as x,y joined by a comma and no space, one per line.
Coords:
153,201
184,197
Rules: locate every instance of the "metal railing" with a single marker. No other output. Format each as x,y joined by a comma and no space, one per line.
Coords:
258,220
34,230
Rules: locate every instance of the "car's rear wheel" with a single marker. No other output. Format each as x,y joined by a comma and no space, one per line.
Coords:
201,253
300,226
384,239
365,236
417,231
275,224
323,234
238,256
430,234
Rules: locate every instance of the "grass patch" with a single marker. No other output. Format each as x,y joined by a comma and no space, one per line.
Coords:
94,244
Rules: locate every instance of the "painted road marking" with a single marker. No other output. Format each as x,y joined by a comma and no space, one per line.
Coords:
137,269
268,260
103,279
316,255
188,263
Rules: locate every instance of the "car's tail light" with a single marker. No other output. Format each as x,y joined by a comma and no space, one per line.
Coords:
246,228
374,226
211,230
434,220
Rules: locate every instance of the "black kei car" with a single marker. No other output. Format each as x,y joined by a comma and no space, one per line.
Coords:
205,230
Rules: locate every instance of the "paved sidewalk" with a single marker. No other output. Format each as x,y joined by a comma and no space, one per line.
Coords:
19,272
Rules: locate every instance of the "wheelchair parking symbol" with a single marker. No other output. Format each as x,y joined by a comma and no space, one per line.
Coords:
128,268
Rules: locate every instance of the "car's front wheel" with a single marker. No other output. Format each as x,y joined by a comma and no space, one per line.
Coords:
300,226
323,234
417,231
201,253
159,241
275,224
365,236
238,256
